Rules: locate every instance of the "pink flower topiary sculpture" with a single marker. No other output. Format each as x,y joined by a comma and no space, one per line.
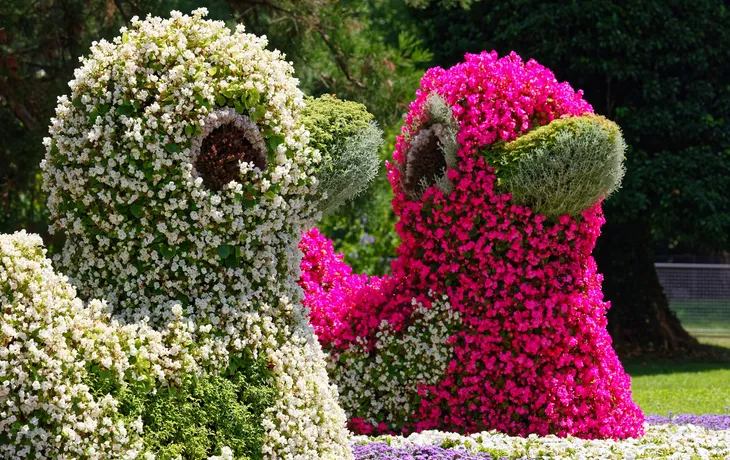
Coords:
493,315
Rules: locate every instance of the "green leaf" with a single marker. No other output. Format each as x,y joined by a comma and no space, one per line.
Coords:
212,71
137,210
126,109
252,97
189,130
232,261
256,113
224,250
172,148
105,374
168,251
273,143
221,99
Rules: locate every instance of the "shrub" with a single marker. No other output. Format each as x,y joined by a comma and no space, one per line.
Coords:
348,140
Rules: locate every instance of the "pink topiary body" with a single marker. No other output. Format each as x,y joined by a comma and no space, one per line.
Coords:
526,348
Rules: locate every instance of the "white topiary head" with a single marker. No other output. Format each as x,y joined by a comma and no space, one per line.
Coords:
177,168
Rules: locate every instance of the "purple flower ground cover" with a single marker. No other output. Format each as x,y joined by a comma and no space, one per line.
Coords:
709,421
383,451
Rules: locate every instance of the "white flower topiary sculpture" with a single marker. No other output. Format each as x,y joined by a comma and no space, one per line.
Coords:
181,177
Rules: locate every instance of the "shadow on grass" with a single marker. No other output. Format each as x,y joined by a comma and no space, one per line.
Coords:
708,357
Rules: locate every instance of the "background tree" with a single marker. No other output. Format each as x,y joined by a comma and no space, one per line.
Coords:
660,70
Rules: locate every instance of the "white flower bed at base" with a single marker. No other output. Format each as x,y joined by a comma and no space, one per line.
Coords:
660,442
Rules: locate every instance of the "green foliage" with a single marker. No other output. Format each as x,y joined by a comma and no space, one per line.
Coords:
348,140
203,414
444,3
330,121
339,47
562,167
363,229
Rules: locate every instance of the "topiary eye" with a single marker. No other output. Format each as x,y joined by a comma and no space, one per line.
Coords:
228,140
563,167
432,151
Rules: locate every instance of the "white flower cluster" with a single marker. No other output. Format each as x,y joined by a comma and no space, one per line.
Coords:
675,442
52,344
414,356
299,362
206,274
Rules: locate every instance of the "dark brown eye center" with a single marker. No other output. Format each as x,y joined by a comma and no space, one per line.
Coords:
425,161
221,153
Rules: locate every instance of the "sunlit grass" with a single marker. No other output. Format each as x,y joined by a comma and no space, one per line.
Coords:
683,384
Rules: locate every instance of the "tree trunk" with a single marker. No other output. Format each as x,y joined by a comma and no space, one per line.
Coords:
639,319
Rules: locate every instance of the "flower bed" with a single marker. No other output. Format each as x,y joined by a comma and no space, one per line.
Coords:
684,436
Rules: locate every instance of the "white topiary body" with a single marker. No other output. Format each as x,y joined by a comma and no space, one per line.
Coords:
169,253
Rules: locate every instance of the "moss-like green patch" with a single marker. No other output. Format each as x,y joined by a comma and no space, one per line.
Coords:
346,136
562,167
330,120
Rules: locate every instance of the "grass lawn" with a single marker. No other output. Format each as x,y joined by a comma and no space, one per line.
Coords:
682,385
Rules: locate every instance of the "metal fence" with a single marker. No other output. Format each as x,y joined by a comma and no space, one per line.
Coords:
699,294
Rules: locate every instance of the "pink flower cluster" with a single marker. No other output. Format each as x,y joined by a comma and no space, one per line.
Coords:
532,354
333,293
